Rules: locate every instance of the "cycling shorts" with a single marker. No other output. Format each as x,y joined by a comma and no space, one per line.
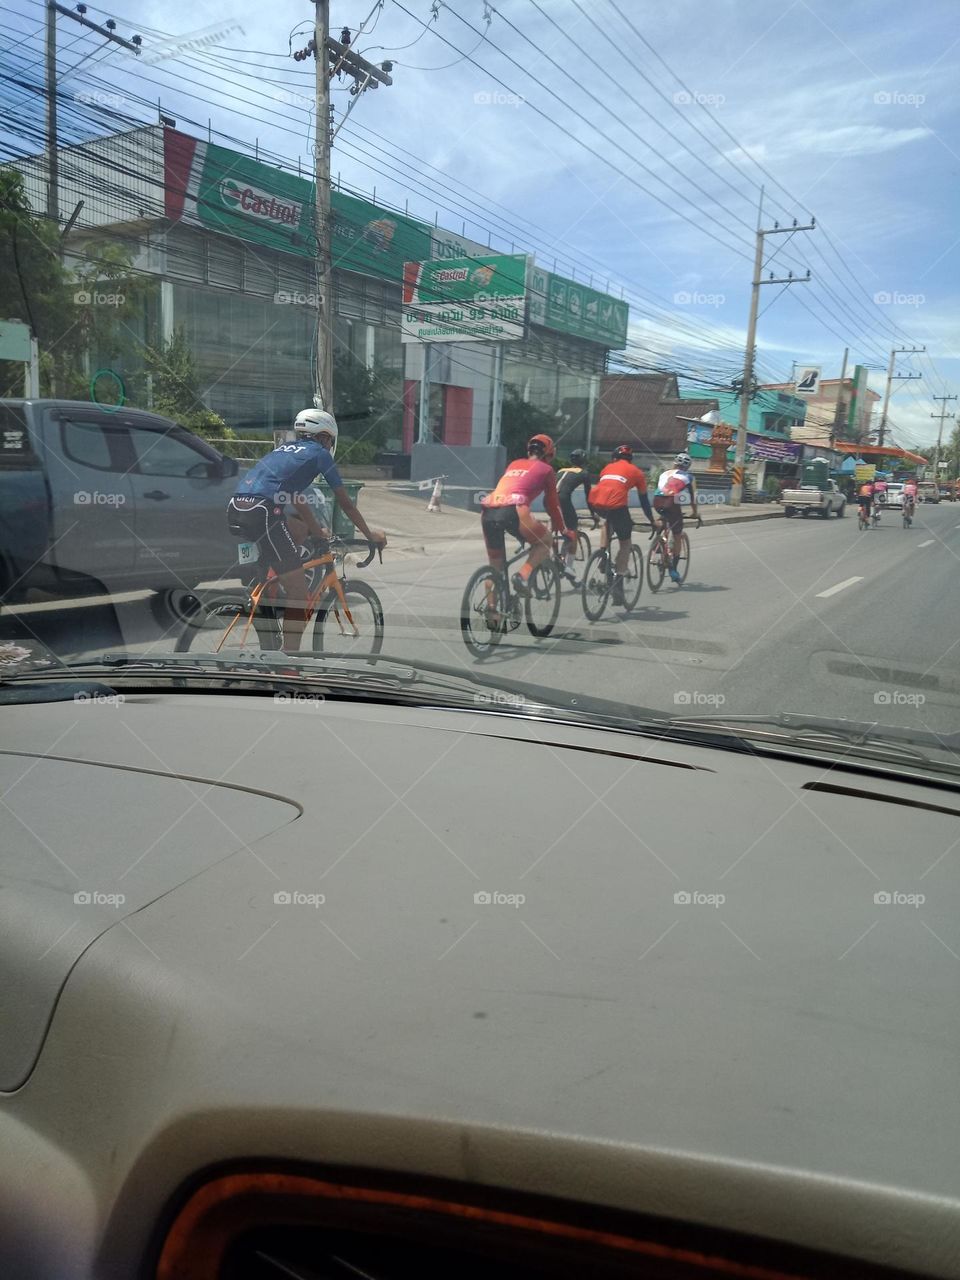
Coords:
570,518
257,519
619,519
670,512
496,522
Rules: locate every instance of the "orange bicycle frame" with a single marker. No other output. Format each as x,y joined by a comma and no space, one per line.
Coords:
328,581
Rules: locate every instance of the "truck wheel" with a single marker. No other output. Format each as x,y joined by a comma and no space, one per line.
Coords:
842,510
789,511
172,606
824,512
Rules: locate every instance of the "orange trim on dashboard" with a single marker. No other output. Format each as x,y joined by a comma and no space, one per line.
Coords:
198,1239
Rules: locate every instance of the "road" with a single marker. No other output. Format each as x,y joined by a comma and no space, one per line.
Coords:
804,616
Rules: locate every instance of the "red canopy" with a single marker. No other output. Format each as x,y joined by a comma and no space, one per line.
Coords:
872,450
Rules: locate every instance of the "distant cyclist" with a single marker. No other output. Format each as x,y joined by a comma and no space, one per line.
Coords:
670,489
865,499
909,498
270,508
610,498
507,510
569,480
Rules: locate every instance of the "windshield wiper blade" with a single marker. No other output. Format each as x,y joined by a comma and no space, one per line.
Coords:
863,736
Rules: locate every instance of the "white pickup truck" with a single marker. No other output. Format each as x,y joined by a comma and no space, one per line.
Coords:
822,500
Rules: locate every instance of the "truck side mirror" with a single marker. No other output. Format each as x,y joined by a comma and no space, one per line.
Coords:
229,467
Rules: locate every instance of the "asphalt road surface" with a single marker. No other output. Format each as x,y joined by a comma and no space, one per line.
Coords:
803,616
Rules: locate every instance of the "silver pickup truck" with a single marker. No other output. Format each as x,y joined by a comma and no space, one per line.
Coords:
822,500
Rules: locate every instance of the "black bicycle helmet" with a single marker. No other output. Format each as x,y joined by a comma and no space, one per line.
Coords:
577,456
621,452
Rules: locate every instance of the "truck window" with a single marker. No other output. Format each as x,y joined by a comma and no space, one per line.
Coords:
92,443
165,453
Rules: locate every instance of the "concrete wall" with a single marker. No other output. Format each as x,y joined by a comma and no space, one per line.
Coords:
475,467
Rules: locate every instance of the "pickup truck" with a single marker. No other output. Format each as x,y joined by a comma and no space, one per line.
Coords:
822,501
96,500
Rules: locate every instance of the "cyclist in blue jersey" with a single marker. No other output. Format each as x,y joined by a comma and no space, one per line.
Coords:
270,508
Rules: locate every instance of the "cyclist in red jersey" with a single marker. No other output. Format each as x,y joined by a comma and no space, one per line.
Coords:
610,498
507,509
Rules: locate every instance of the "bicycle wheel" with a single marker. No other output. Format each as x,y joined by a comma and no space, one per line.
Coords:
656,563
483,611
542,605
633,580
582,553
683,559
595,589
218,623
333,631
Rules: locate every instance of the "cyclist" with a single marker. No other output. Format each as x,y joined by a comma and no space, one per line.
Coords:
909,498
666,500
610,498
507,510
865,499
569,481
270,508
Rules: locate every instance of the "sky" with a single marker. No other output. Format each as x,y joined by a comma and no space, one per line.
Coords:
627,141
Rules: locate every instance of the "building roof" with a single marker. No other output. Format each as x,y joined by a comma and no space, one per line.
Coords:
645,409
868,450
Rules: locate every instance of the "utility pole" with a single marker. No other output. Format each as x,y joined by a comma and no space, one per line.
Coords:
944,400
108,33
332,57
746,390
901,377
838,410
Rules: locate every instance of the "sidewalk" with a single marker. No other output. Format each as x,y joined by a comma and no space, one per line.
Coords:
410,527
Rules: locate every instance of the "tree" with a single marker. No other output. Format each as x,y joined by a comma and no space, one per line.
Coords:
176,388
519,420
368,403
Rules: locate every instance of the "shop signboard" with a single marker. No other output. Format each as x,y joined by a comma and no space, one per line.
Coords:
477,299
575,309
774,450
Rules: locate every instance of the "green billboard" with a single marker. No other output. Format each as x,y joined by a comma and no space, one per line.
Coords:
479,299
374,241
575,309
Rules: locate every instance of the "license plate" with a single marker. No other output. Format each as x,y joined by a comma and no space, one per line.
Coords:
248,553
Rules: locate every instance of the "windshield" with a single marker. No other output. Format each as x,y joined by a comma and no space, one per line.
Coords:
619,341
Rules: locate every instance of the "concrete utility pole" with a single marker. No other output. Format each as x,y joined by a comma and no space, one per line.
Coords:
901,377
944,400
53,159
332,57
746,390
835,427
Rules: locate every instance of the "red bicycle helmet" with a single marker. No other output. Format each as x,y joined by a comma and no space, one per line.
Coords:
543,446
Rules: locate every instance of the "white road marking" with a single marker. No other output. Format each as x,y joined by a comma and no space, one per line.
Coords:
929,542
841,586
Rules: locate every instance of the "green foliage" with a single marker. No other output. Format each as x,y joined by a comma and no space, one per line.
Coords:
367,402
356,452
176,388
519,420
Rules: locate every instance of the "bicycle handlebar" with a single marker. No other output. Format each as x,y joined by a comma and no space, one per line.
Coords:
347,544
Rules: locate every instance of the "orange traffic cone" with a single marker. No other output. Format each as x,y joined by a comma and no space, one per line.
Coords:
434,503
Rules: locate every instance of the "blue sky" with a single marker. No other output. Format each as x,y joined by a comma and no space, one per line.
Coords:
625,169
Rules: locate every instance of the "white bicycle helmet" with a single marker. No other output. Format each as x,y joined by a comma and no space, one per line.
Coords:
683,461
312,422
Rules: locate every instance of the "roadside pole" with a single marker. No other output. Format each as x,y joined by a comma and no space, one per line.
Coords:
834,426
746,389
496,406
901,377
944,413
324,388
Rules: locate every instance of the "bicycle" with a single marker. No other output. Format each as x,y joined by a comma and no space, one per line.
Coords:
224,619
598,579
907,514
863,521
660,556
875,515
490,607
